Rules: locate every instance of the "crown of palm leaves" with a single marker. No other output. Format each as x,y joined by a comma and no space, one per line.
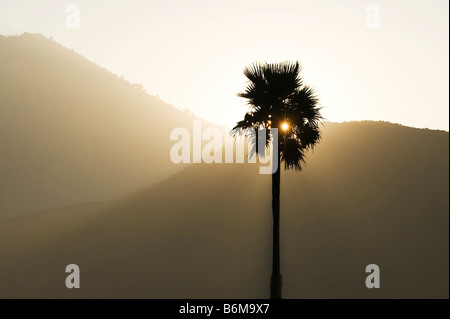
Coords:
275,93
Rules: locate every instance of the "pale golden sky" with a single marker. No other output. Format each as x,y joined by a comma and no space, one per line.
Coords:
191,53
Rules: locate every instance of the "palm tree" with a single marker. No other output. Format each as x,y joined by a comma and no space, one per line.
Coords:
278,98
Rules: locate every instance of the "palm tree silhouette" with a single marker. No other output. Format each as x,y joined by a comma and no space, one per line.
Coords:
278,98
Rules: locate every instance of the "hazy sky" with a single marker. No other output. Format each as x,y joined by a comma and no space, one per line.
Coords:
192,53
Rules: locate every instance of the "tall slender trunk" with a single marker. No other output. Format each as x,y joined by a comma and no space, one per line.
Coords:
275,284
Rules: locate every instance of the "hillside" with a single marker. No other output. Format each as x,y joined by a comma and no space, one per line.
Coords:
72,132
372,192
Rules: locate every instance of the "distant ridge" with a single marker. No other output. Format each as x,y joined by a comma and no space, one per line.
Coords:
71,131
372,192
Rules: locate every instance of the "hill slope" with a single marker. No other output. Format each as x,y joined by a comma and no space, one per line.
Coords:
71,132
371,193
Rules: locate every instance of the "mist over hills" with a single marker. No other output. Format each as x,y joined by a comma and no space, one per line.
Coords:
372,192
72,132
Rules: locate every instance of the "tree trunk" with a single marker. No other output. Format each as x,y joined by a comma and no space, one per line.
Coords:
275,285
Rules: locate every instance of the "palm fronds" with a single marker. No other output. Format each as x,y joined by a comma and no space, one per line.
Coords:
276,94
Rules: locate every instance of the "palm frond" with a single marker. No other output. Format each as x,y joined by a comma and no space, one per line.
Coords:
255,73
282,80
242,126
309,134
257,141
293,154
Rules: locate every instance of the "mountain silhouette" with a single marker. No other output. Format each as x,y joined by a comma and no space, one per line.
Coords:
371,193
72,132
